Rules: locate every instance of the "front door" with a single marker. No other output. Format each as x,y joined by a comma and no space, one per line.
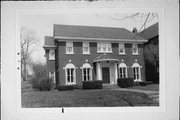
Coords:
105,75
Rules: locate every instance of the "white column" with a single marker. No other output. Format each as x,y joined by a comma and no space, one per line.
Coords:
98,69
116,74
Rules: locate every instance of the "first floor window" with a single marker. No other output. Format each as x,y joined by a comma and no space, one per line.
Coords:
136,72
86,72
70,74
52,76
122,70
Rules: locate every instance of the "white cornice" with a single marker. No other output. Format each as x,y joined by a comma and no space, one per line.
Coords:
99,39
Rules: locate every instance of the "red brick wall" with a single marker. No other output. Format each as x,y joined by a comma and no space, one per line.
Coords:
78,59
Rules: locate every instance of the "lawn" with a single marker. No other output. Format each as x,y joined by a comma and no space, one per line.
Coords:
85,98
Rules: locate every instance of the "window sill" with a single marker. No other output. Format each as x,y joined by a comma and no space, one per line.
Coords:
135,54
122,54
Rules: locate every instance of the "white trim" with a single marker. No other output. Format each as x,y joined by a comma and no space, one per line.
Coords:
99,39
70,66
105,45
123,65
136,46
123,47
136,65
54,78
51,54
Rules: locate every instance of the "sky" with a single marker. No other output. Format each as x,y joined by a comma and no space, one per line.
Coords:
42,25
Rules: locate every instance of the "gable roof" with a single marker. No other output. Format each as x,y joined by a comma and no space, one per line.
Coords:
95,32
150,32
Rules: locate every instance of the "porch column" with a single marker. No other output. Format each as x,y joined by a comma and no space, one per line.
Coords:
98,69
116,72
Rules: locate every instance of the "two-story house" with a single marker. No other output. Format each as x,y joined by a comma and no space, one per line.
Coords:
83,53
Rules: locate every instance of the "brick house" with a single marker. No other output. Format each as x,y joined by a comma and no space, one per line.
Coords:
83,53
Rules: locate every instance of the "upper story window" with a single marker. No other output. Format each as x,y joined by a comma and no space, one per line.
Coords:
86,49
51,55
135,49
69,48
121,48
104,47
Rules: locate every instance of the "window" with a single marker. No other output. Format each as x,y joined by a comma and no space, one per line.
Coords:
86,72
136,72
86,48
122,70
52,76
69,48
51,55
104,47
70,74
135,49
121,48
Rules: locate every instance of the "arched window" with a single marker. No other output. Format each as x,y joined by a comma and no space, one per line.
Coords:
86,72
122,70
136,72
70,73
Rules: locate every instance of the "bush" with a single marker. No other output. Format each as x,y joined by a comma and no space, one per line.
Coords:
125,82
92,84
68,87
42,83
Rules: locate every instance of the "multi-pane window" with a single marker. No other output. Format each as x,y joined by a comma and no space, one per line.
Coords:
51,54
69,48
122,70
70,74
121,48
136,72
134,49
104,47
86,48
52,76
86,72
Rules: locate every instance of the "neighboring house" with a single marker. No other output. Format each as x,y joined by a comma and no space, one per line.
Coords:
83,53
152,35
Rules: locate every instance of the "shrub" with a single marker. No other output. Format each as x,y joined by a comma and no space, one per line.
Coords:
42,83
125,82
92,84
68,87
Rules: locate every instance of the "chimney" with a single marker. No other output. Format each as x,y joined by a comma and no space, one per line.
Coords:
134,30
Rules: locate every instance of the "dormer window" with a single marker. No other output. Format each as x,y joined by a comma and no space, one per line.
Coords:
135,49
51,54
69,48
121,48
104,47
86,48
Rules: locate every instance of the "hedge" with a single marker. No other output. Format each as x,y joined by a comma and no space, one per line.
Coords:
67,87
92,84
125,82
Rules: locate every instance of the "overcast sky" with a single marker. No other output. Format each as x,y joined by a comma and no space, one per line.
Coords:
42,25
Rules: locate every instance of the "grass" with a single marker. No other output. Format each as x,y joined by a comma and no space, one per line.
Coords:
151,87
85,98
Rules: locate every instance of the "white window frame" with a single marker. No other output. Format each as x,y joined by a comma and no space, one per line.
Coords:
86,66
134,45
69,67
101,46
137,68
51,54
68,45
86,45
122,46
54,77
123,66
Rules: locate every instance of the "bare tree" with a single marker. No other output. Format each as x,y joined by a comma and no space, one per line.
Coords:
28,39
